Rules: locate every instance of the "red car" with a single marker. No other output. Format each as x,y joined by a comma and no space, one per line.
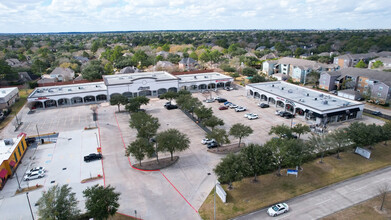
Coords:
223,107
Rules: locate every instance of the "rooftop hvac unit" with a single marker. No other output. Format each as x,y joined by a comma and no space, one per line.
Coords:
195,77
282,88
272,85
325,102
320,95
290,91
205,77
334,100
315,99
69,89
8,142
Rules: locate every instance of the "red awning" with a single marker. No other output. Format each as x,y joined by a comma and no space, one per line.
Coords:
3,173
12,163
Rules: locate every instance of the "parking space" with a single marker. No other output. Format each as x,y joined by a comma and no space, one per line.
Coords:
63,162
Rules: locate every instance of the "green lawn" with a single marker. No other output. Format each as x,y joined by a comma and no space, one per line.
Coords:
247,196
16,107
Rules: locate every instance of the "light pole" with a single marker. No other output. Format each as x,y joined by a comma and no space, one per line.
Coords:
28,200
36,126
17,179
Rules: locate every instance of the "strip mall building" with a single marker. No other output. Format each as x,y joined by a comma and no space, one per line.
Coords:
151,84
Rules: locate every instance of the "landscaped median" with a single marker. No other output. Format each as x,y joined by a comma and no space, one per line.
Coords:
248,196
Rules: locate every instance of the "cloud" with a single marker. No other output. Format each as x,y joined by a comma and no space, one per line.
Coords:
102,15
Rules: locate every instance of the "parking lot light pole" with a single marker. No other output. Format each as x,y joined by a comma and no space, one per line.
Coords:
17,179
36,126
28,200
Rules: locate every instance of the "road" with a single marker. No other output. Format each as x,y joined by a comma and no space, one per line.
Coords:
325,201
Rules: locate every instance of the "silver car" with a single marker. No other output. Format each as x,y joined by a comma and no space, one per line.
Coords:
34,175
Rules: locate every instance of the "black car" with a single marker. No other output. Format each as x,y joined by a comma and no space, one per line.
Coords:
288,115
376,113
92,157
264,105
169,107
221,100
282,113
213,145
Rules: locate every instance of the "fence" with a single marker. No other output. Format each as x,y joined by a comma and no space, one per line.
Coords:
196,121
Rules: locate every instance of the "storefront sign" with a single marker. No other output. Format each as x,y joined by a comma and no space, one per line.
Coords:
40,98
222,80
220,191
279,98
142,88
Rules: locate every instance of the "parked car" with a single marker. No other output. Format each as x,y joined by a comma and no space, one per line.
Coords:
240,109
212,145
292,136
34,175
277,112
221,100
288,115
263,105
278,209
35,169
169,107
223,107
227,103
252,117
376,113
209,100
167,103
207,141
229,88
92,157
249,114
281,113
233,105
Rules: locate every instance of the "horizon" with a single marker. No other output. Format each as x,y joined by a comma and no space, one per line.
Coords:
63,16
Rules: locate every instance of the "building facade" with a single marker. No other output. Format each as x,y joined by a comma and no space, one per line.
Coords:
11,154
319,107
8,96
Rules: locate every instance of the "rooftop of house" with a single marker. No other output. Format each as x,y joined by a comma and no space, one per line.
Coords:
360,56
129,69
7,146
67,89
129,78
202,76
315,99
304,63
63,71
383,59
187,60
382,76
6,91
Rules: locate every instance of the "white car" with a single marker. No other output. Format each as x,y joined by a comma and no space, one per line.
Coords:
34,170
250,114
207,141
209,100
278,209
253,116
240,109
277,112
233,105
34,175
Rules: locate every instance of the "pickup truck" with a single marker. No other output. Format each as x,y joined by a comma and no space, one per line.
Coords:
92,157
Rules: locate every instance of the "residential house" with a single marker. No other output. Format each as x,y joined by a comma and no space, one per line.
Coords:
269,56
46,79
385,60
350,60
373,83
165,66
129,69
81,59
295,68
261,48
188,64
62,74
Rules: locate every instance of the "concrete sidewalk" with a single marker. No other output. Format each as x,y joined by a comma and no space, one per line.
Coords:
325,201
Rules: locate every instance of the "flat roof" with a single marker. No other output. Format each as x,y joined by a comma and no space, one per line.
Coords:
196,77
129,78
5,91
318,100
68,89
7,149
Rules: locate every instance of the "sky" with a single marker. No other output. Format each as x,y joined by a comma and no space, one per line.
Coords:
42,16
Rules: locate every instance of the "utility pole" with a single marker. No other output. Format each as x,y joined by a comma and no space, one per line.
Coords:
36,126
17,179
28,200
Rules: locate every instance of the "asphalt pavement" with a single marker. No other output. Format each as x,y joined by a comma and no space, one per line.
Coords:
333,198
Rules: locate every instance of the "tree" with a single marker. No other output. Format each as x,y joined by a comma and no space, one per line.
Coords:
301,129
193,55
248,71
312,77
172,141
220,135
240,130
108,69
58,203
281,130
279,147
361,64
170,95
257,78
101,202
95,46
340,139
377,64
386,131
203,112
229,169
364,135
139,149
213,121
118,100
6,72
93,71
297,151
145,124
135,103
320,144
256,160
383,190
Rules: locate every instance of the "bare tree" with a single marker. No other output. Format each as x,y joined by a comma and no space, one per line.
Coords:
383,190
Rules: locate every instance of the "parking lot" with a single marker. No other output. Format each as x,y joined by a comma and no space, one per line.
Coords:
267,117
63,162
